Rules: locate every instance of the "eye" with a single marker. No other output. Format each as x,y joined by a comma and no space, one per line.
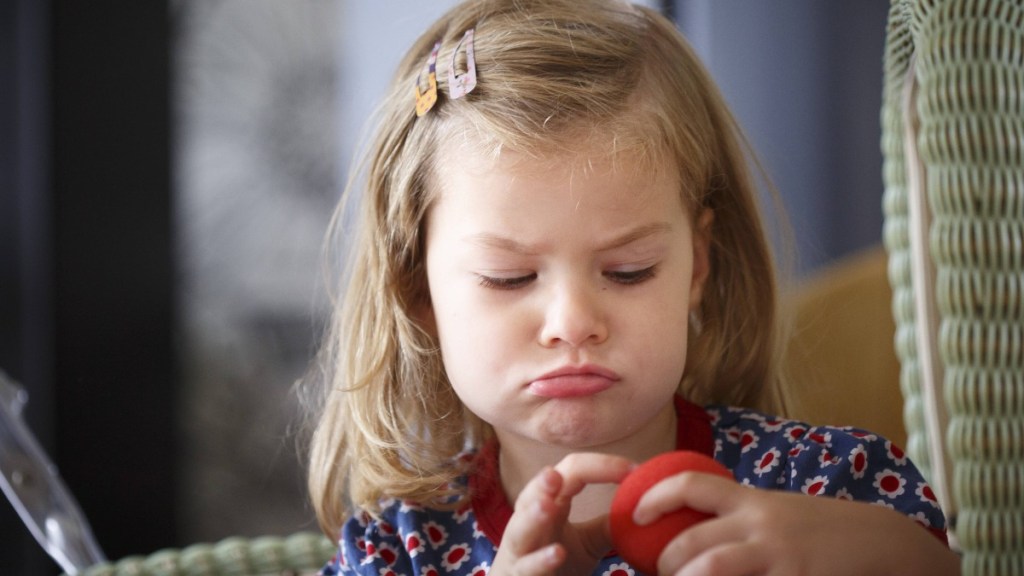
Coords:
506,283
628,277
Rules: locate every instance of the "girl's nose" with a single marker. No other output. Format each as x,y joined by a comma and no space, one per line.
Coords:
573,316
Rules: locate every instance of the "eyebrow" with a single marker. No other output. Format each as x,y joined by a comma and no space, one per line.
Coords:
507,244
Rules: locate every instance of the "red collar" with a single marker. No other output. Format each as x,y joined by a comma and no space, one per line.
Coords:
492,508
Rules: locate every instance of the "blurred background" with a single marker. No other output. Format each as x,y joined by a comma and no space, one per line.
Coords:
167,171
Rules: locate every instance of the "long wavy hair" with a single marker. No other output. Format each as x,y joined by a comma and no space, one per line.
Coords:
549,72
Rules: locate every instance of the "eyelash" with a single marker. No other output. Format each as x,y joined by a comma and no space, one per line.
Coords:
624,278
633,276
506,283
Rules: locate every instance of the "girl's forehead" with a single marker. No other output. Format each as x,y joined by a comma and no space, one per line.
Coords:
571,173
564,156
514,183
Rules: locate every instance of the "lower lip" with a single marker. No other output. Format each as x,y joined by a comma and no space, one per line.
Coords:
570,386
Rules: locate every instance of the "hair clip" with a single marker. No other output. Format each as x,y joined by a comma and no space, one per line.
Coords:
426,100
461,84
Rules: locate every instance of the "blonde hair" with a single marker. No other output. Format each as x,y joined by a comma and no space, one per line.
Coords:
548,71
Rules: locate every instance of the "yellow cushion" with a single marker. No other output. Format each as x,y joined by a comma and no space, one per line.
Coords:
841,367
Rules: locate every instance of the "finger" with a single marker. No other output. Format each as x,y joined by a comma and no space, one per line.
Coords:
704,536
533,523
738,559
584,468
696,490
541,562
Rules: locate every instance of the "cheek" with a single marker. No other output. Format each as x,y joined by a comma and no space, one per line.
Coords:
471,334
662,329
664,352
478,353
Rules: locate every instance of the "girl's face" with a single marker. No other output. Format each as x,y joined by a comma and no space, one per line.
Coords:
560,295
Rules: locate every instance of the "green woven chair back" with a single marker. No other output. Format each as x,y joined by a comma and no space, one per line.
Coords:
961,128
300,553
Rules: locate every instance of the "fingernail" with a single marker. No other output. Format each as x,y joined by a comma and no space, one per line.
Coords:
538,510
553,555
548,479
641,518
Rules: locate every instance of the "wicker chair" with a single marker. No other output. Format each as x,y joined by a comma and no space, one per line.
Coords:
953,141
300,553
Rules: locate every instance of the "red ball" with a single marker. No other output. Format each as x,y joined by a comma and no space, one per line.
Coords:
642,545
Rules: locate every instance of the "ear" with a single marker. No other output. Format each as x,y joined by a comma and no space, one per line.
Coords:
701,256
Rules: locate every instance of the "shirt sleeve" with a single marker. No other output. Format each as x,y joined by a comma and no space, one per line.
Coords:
847,463
411,540
372,547
332,568
853,464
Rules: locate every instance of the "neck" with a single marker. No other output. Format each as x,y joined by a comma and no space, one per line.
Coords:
521,459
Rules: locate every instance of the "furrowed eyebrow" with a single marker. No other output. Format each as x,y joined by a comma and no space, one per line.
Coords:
503,243
637,233
507,244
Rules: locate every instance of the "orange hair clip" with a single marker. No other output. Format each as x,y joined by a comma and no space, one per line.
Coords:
426,100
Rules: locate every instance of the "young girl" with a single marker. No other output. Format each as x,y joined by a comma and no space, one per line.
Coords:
560,272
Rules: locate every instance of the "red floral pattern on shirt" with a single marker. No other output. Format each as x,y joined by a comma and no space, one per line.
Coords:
761,451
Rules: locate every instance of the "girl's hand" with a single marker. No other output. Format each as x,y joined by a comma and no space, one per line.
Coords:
539,540
776,533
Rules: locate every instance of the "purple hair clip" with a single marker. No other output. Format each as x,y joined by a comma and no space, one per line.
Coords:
461,84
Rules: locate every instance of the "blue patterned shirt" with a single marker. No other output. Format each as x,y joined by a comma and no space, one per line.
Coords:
761,451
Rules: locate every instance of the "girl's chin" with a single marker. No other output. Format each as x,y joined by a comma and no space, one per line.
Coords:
598,422
575,425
